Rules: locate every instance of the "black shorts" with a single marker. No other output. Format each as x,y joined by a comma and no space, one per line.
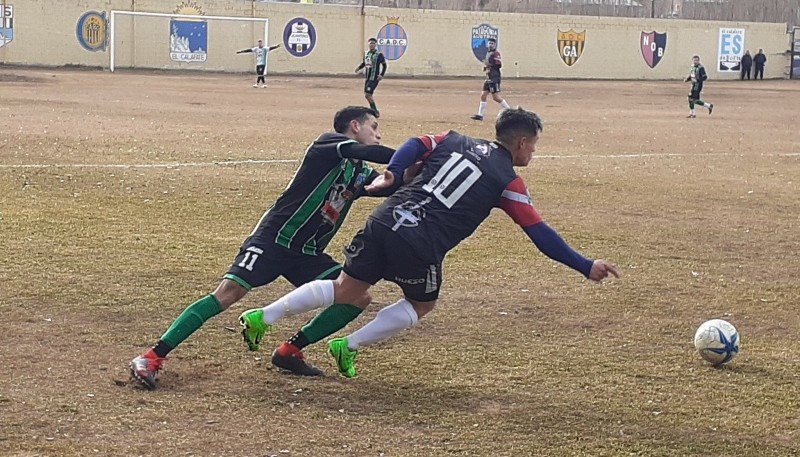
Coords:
377,252
370,86
260,69
491,86
259,263
695,93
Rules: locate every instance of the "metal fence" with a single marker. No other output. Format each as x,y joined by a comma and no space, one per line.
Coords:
786,11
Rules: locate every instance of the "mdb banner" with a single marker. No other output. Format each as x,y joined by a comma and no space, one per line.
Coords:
731,50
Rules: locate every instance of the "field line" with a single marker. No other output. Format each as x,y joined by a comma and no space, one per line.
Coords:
221,163
226,163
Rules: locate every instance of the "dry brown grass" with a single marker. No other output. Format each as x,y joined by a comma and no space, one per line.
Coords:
522,356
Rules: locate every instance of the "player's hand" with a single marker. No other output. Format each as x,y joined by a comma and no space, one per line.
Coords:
380,77
382,182
278,45
601,269
412,171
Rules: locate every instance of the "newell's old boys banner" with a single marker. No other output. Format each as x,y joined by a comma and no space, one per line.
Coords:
480,40
731,49
653,47
392,39
6,24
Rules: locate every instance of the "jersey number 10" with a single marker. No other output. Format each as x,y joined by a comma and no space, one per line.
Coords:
453,168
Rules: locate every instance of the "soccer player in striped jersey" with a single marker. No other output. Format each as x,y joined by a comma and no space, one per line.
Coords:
261,60
374,65
291,236
697,75
406,238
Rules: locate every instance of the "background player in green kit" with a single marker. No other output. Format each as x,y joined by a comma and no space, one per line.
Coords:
697,75
373,59
261,60
290,238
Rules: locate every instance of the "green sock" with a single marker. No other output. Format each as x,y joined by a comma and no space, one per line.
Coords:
329,321
691,104
191,319
373,106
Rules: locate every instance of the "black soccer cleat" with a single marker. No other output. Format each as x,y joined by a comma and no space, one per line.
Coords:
476,117
295,362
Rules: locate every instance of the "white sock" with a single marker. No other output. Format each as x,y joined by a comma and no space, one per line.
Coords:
481,108
504,104
389,322
691,111
313,295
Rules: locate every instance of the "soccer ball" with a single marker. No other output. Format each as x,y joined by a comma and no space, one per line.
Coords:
717,341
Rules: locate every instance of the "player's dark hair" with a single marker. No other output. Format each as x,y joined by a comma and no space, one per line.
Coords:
343,117
513,123
372,40
695,57
492,40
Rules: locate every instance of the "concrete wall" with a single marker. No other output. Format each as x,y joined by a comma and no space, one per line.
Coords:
438,42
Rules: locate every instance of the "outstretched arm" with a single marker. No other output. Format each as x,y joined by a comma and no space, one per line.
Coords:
517,204
243,51
369,152
272,48
408,155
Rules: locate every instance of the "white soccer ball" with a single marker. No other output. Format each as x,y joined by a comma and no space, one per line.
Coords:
717,341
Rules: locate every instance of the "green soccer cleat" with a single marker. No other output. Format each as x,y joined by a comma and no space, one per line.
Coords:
345,358
253,328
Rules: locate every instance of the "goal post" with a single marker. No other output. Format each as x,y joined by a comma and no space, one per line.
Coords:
139,39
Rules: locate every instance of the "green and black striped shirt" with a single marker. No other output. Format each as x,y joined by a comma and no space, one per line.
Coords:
331,176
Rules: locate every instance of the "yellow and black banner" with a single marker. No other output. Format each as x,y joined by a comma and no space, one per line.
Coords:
570,45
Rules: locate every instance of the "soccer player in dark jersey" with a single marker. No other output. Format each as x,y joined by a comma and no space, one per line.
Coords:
697,74
261,60
374,65
406,238
491,66
290,238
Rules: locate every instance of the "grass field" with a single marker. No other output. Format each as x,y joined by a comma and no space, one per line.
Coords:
124,197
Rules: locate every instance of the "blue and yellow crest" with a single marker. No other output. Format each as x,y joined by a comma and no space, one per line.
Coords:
92,31
188,38
6,24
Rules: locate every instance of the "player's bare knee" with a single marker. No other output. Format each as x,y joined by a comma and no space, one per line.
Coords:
228,292
422,307
363,301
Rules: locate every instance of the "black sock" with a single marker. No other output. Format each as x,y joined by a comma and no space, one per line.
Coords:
299,340
161,349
